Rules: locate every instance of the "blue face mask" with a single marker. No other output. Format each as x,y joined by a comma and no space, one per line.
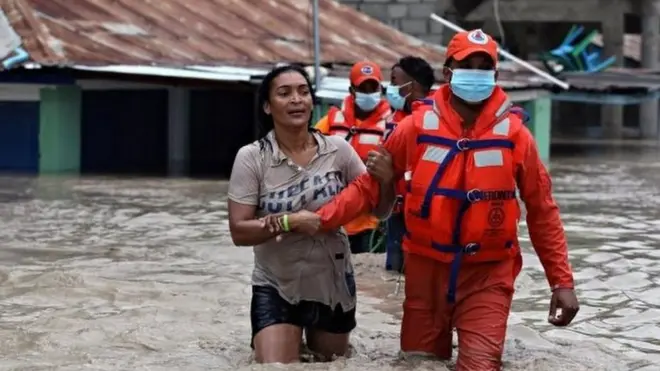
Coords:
472,86
394,98
367,102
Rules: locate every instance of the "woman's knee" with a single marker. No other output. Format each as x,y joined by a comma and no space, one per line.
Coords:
278,343
329,336
327,345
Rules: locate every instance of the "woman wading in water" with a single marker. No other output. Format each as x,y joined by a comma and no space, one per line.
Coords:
300,282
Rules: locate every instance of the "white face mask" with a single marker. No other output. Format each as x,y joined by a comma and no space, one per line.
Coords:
394,97
367,102
472,86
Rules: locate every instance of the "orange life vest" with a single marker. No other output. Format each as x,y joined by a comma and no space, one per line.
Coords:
399,115
391,123
461,205
393,120
364,137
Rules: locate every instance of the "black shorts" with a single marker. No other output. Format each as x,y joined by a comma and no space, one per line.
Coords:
268,308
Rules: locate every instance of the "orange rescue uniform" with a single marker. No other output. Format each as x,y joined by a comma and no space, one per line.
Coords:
462,216
364,136
394,119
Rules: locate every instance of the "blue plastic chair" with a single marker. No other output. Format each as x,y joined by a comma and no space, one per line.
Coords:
565,50
20,56
591,58
579,55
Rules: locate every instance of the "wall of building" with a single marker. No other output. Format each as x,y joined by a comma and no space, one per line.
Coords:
409,16
19,128
115,127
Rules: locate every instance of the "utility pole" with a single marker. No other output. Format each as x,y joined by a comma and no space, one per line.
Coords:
317,56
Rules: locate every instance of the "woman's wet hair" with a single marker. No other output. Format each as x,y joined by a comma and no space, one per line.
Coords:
266,123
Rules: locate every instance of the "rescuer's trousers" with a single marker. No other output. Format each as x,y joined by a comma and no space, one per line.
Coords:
480,313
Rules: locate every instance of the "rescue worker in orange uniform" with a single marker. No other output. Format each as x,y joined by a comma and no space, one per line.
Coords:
411,81
463,159
361,121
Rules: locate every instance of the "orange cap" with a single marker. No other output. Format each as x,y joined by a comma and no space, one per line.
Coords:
363,71
470,42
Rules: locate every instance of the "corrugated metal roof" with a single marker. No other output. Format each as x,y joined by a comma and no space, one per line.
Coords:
205,32
614,79
223,73
9,40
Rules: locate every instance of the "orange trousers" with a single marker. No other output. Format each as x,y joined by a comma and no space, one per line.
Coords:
483,301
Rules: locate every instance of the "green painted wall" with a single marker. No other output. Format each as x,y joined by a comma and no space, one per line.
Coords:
540,112
320,111
59,130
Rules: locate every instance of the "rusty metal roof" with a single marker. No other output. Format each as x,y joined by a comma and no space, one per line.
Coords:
208,32
613,80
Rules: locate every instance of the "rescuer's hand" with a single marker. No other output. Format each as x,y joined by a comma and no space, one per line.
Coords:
304,222
565,300
379,165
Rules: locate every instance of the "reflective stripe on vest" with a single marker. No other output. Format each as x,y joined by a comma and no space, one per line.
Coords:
443,155
370,136
390,125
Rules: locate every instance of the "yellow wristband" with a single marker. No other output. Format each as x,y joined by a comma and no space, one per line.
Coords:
285,222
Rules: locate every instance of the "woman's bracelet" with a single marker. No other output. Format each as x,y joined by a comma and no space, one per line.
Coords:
285,223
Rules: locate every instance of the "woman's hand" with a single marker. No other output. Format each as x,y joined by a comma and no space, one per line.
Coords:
304,222
273,223
379,165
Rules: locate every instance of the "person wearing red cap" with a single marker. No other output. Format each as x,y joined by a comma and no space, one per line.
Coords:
361,120
464,159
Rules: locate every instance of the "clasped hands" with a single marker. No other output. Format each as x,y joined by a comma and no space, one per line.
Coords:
302,221
378,164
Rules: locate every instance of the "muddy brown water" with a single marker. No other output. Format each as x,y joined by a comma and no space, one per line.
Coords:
135,274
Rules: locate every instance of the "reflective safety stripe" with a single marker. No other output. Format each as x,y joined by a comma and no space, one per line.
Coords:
373,139
339,118
366,136
489,158
502,127
435,154
431,121
503,108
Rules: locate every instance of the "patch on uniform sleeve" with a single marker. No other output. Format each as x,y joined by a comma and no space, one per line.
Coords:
389,128
520,112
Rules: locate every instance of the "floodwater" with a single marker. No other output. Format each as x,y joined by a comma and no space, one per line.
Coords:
107,274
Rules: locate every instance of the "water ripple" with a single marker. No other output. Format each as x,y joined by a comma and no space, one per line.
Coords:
123,274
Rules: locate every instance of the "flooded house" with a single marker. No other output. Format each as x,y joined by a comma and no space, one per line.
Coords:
107,87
